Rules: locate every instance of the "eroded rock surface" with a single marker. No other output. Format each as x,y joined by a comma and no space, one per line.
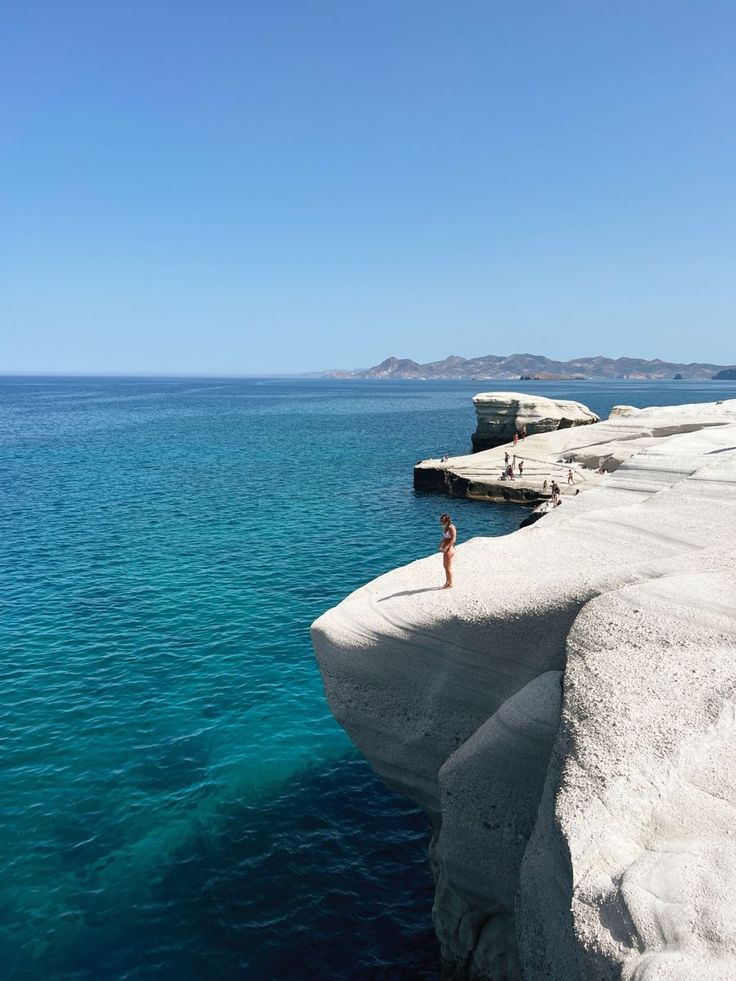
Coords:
501,414
567,718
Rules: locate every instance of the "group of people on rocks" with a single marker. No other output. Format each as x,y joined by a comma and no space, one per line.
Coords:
554,489
555,492
510,465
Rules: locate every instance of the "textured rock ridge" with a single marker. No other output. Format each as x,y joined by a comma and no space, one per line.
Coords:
501,414
567,718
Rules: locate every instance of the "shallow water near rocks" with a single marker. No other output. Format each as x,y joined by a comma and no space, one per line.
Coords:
176,799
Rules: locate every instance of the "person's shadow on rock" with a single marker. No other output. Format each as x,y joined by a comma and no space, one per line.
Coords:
411,592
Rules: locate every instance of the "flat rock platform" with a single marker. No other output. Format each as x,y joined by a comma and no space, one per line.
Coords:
549,456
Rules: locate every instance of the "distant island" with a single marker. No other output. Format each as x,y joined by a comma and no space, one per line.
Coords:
535,367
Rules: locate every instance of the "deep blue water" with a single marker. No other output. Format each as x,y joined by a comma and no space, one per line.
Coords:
175,798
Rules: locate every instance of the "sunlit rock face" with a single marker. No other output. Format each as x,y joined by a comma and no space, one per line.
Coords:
566,715
501,414
623,411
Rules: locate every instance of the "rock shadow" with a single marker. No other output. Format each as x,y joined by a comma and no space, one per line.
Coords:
411,592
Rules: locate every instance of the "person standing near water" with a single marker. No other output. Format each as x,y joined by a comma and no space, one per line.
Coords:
447,547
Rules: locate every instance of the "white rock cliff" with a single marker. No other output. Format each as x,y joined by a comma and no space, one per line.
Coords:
567,718
501,414
549,455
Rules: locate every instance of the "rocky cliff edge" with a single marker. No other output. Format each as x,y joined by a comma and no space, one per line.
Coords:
501,414
567,718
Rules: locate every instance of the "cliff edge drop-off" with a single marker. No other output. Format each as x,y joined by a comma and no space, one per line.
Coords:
567,718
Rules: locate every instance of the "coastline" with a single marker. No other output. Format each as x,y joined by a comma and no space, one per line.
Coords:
584,450
593,649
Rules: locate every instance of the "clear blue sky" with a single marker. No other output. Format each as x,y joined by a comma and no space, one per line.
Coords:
240,187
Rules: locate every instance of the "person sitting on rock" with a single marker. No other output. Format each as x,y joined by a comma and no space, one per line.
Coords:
510,472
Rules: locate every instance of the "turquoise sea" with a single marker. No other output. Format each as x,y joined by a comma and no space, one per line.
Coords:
175,799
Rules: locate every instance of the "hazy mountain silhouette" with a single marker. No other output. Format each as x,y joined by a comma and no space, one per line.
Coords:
522,366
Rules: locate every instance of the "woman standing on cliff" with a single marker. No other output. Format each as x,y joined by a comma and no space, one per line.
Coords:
447,547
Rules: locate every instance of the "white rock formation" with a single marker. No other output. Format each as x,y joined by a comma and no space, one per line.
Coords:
501,414
598,840
608,444
622,410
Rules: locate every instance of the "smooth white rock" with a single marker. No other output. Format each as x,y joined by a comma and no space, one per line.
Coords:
501,414
608,444
627,869
622,410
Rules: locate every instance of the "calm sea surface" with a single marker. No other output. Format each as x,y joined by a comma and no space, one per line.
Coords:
175,799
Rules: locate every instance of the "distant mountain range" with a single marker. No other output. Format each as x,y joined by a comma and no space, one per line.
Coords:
535,367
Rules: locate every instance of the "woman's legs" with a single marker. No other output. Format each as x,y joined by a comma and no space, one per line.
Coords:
447,563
